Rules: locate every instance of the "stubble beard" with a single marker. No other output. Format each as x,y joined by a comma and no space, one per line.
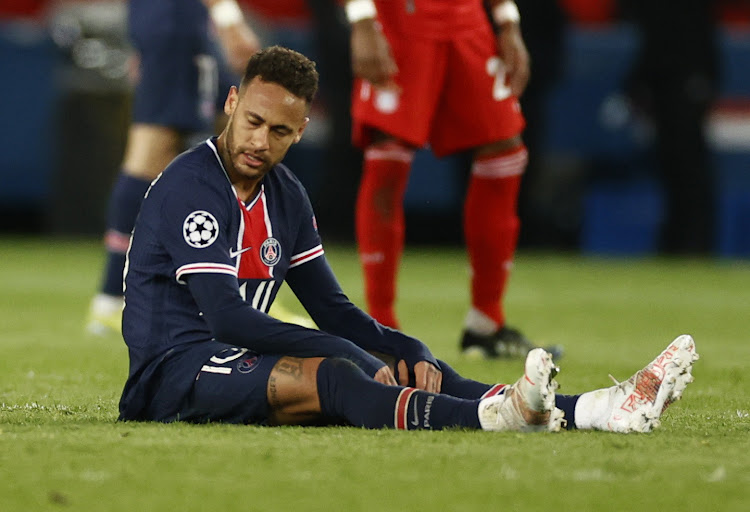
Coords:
232,157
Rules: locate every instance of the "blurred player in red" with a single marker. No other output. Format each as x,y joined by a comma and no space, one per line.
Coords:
447,74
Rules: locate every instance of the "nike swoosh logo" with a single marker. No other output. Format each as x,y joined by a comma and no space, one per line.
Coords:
234,254
415,421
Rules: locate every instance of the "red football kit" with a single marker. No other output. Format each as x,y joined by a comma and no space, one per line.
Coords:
451,85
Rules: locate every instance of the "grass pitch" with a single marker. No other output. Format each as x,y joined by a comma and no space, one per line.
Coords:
61,448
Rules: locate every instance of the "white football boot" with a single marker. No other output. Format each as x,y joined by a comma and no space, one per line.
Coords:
105,315
529,404
636,404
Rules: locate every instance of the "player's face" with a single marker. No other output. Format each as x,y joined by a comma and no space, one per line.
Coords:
264,121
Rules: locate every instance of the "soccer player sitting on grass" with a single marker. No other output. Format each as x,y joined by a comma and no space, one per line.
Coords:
220,230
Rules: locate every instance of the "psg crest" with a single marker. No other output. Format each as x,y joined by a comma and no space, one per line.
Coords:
249,363
200,229
270,252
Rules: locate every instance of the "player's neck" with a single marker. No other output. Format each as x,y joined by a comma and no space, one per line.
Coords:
245,191
246,188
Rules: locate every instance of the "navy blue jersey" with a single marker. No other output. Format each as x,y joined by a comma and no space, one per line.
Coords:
203,268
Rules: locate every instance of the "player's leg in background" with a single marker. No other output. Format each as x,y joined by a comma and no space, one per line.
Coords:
388,124
491,227
380,225
175,95
486,120
149,149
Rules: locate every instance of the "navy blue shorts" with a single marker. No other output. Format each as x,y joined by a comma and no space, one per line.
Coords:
231,388
183,77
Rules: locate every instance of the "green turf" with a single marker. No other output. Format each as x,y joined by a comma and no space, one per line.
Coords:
61,449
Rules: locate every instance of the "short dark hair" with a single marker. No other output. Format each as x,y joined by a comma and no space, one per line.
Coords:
288,68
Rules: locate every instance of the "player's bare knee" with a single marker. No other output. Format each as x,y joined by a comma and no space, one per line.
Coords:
149,149
499,146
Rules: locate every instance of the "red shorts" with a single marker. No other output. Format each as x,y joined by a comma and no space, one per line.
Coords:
450,95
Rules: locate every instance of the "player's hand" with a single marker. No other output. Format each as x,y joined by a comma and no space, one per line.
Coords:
385,376
512,51
371,54
427,376
239,43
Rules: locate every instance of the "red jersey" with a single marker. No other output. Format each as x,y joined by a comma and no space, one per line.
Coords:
432,19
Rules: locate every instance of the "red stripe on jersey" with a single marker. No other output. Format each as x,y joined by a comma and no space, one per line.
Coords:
494,390
402,405
255,229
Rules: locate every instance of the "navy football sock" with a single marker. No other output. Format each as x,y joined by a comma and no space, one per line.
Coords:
461,387
124,204
346,392
567,403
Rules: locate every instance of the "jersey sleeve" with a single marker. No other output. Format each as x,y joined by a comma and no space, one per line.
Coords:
235,322
195,229
308,245
318,290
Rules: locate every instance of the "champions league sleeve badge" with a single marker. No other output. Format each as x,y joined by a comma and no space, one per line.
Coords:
270,252
200,229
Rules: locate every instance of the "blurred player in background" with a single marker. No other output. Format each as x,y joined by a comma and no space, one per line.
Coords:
448,75
182,75
219,232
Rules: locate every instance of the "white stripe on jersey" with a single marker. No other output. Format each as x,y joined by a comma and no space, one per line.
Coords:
258,294
204,268
269,288
216,369
304,257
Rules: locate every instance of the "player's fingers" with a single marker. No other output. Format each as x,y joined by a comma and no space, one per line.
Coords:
434,379
520,75
379,73
385,376
421,376
403,373
519,80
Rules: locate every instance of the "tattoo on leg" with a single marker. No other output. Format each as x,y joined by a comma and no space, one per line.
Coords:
291,366
286,368
273,399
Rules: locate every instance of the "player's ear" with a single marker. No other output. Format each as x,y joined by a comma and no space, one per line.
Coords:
230,103
301,130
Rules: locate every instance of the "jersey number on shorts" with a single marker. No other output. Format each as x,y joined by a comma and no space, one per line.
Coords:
496,68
